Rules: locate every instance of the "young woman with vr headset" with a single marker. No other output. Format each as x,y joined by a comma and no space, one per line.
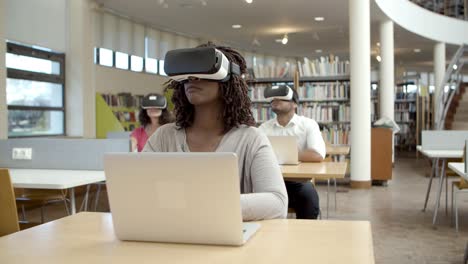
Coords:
212,110
152,115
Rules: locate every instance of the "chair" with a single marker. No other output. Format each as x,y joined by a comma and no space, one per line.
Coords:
457,187
39,197
8,212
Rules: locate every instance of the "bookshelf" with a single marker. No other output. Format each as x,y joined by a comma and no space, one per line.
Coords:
116,112
324,99
406,115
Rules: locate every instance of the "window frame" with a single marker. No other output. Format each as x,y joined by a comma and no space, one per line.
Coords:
41,77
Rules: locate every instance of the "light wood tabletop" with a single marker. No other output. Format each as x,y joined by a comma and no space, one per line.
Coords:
89,238
338,150
315,170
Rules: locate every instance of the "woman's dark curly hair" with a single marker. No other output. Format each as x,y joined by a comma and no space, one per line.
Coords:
234,96
164,118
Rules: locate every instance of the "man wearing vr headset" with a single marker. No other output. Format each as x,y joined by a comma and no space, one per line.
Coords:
284,100
153,114
213,114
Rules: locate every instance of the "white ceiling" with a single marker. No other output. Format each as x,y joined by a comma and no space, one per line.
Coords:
267,20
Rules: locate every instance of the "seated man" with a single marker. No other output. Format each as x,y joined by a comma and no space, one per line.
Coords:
303,197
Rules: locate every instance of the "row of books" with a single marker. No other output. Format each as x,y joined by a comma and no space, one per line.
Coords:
126,116
403,117
406,107
286,70
323,66
405,96
262,114
324,91
337,135
326,113
123,100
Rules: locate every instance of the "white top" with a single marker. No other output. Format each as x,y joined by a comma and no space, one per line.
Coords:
54,179
305,129
440,153
458,168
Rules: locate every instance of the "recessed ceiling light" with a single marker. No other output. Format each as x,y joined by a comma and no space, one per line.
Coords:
417,50
378,44
455,66
249,1
319,18
378,58
285,39
236,26
318,50
278,40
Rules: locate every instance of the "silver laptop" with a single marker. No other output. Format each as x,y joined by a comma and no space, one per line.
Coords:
285,148
176,197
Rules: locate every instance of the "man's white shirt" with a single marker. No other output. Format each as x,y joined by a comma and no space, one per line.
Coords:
305,129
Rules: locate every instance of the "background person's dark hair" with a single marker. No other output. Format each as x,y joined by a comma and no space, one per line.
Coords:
164,118
234,96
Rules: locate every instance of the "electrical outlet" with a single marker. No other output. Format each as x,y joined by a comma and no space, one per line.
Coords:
22,153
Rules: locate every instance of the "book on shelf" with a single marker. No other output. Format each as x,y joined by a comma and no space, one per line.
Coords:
337,134
324,91
123,100
262,113
323,66
328,113
285,70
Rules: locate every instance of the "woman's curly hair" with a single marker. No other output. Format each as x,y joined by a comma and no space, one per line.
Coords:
234,96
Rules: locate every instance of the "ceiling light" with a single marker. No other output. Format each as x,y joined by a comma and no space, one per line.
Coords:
278,40
249,1
378,58
236,26
319,18
417,50
318,50
378,44
285,39
455,67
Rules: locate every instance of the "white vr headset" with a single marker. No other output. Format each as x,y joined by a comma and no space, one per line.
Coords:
154,101
280,92
201,63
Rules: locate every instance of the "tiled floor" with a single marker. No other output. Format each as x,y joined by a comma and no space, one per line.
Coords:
402,232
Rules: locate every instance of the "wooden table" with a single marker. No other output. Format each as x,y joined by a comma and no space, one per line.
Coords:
55,180
89,238
307,171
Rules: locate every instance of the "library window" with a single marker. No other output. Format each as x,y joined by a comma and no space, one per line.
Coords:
161,68
106,57
136,63
121,60
35,91
151,65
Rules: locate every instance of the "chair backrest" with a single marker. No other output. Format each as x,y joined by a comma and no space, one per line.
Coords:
8,212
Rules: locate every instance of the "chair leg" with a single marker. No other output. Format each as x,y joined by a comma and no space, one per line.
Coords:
465,259
66,206
451,206
42,214
336,190
23,213
456,210
96,199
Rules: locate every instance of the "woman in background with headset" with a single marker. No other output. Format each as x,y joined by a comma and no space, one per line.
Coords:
153,114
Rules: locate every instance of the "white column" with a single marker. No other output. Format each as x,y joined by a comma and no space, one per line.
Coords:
387,76
3,105
359,24
80,95
439,71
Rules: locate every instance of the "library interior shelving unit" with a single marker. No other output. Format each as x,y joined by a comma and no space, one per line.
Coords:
116,112
406,108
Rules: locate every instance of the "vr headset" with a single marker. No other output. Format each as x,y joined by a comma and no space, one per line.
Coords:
154,101
280,92
202,63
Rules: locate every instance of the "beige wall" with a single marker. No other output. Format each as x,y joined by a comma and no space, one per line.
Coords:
111,80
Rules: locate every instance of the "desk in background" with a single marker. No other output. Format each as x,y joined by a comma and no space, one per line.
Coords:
307,171
55,180
90,238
